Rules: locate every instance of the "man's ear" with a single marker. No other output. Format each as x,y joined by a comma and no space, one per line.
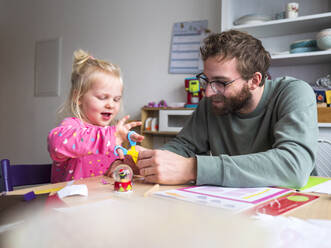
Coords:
256,80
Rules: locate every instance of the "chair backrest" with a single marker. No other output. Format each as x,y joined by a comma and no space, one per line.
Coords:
24,174
323,158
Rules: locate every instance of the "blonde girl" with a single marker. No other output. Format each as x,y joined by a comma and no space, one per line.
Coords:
83,144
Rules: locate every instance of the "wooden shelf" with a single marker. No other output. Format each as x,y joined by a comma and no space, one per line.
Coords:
147,112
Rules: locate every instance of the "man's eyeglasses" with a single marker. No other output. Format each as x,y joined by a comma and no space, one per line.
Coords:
216,85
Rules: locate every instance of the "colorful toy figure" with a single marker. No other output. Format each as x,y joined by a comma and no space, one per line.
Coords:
194,92
132,151
123,173
123,177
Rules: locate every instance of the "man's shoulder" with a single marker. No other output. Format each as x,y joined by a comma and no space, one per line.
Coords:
286,81
292,91
291,84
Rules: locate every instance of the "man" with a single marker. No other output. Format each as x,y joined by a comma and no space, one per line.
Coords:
247,131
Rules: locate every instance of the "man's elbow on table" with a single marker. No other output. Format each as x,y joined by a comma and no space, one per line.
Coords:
299,179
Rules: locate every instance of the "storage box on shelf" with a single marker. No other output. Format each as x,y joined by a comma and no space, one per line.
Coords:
324,114
170,120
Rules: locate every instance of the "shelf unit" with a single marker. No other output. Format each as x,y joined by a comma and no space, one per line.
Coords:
277,35
317,57
301,24
151,136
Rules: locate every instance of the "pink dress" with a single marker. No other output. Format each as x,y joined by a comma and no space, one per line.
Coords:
80,150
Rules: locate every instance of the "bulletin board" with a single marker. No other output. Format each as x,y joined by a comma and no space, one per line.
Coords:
185,47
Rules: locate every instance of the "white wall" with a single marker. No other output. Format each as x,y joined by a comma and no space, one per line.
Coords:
135,35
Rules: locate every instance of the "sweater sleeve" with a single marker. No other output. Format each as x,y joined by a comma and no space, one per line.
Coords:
72,139
287,161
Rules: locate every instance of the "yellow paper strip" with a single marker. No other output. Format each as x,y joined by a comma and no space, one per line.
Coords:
174,194
256,194
38,192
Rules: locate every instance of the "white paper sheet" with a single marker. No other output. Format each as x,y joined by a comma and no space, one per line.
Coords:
323,188
233,199
80,189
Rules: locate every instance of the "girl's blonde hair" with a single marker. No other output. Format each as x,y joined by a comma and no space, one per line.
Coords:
83,69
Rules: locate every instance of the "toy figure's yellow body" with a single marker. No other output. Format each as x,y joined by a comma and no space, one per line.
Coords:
133,153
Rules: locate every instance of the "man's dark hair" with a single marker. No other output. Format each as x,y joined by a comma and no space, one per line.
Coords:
249,52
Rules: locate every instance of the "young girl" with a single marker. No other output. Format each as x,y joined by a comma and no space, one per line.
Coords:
83,145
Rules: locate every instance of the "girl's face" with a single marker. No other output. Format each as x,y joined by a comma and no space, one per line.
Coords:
101,103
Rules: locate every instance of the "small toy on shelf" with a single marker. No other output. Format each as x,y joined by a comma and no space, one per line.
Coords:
194,92
123,176
152,105
162,104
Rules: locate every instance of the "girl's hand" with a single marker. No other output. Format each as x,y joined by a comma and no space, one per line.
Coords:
122,130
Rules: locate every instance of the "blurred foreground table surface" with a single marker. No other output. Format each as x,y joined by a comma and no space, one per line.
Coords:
108,219
98,191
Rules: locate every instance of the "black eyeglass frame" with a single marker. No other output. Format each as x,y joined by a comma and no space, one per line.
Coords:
204,80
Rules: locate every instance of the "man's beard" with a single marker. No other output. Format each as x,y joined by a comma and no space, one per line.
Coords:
231,104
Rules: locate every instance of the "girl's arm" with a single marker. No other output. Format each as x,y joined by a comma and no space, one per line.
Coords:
72,139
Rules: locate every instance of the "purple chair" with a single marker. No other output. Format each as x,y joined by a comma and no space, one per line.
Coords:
24,174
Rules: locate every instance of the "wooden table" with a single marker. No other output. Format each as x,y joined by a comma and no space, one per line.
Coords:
108,219
318,209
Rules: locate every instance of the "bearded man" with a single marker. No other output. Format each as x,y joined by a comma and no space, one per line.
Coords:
248,131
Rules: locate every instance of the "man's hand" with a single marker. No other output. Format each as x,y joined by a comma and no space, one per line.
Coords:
166,167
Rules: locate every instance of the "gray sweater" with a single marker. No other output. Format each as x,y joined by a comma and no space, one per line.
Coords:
274,145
